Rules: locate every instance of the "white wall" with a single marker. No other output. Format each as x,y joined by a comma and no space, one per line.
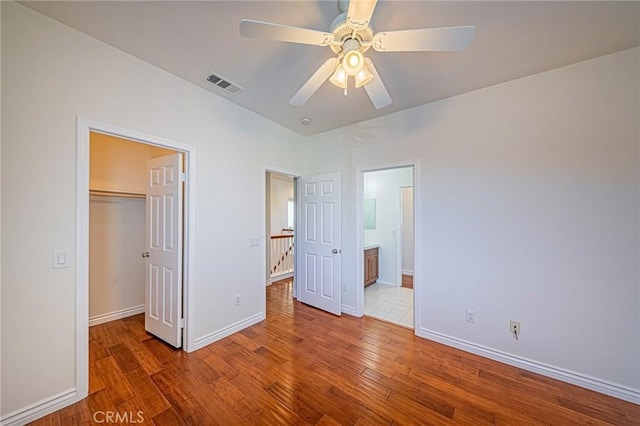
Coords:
116,269
408,254
528,194
52,74
384,187
281,193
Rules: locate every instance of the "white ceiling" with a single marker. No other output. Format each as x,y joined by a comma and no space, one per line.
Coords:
193,38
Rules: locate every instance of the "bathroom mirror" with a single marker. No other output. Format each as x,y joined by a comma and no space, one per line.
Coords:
369,213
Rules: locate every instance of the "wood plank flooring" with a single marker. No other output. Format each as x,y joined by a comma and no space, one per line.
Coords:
303,366
407,281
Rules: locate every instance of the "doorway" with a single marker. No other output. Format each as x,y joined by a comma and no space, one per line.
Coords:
117,201
85,128
280,237
388,239
317,239
280,227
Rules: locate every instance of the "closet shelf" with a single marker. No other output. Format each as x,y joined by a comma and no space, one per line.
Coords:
110,193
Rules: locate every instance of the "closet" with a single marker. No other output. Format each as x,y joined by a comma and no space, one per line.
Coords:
117,226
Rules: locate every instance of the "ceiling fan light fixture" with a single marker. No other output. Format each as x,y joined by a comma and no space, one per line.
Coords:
353,62
363,77
339,77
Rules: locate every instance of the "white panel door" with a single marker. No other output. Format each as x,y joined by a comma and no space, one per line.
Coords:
163,276
319,239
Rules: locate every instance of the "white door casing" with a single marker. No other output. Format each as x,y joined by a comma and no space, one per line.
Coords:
163,275
318,237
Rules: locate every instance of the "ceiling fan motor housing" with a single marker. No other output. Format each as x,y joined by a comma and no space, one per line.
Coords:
342,32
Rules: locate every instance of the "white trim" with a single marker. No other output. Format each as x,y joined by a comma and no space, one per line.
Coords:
387,283
582,380
115,315
359,230
398,273
417,248
281,171
279,277
210,338
349,310
82,262
84,127
40,409
407,272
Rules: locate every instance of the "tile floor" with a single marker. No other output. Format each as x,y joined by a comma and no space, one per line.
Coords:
389,303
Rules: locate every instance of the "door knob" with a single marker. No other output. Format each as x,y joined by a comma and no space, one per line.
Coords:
336,251
145,254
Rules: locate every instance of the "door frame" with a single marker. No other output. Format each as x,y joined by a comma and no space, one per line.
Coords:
295,175
359,234
84,127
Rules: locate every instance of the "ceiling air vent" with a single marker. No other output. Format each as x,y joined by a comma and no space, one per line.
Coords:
224,85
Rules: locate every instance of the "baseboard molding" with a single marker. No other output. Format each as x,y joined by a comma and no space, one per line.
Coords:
279,277
210,338
387,283
112,316
40,408
349,310
582,380
407,272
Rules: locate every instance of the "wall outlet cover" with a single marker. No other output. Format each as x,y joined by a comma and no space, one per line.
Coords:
471,316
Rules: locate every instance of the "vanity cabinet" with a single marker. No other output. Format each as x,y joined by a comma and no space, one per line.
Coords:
370,266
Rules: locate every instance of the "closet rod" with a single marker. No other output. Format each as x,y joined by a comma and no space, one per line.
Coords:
109,193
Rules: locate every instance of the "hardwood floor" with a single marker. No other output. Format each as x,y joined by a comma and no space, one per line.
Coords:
303,366
407,281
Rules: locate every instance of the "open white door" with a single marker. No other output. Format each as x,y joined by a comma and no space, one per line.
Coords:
319,239
163,276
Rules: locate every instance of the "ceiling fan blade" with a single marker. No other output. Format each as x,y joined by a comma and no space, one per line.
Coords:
375,88
271,31
314,83
359,13
446,39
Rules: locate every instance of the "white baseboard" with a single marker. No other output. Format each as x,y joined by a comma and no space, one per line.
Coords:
582,380
210,338
388,283
407,272
349,310
40,409
111,316
279,277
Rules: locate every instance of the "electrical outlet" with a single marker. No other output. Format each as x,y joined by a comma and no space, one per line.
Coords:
471,316
237,300
514,327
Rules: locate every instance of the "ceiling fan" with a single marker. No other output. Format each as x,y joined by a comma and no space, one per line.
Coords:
350,36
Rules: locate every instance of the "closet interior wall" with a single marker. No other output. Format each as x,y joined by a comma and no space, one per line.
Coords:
117,226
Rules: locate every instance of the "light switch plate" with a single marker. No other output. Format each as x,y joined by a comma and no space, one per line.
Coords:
60,259
254,242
